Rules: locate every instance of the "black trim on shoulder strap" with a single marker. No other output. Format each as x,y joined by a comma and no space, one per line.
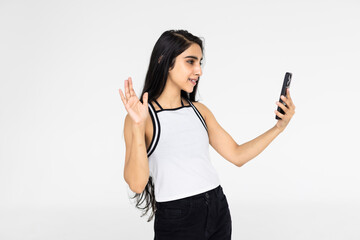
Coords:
199,115
151,112
156,130
158,104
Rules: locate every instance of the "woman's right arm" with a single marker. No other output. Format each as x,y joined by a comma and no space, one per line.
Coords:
136,170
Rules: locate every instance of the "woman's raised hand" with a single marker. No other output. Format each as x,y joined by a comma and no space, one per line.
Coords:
289,110
138,111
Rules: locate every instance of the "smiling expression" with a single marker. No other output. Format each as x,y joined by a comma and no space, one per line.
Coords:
187,68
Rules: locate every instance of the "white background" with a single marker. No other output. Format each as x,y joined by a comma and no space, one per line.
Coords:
61,116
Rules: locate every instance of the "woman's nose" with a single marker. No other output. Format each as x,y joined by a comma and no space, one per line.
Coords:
198,71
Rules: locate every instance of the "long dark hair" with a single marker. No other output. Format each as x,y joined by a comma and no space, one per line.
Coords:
170,44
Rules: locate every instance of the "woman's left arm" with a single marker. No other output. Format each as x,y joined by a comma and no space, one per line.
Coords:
251,149
237,154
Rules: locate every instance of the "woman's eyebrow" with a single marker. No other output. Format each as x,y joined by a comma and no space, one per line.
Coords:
194,57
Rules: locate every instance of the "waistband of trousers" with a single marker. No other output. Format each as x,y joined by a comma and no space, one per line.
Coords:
205,195
211,192
215,191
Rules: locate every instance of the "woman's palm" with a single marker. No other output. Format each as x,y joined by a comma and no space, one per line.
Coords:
138,111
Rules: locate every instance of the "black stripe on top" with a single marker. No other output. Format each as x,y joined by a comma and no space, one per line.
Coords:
199,115
156,129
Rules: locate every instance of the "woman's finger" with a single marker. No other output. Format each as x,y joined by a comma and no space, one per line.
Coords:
127,92
122,97
285,100
145,98
279,114
132,92
282,106
288,102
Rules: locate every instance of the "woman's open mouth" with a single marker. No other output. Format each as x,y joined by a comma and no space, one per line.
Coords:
192,81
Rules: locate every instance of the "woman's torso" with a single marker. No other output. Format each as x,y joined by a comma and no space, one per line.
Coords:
178,151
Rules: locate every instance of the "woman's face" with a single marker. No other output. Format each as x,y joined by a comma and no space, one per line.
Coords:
187,66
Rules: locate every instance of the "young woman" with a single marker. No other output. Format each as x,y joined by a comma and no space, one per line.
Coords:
167,137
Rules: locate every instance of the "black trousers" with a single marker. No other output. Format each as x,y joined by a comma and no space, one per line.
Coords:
205,216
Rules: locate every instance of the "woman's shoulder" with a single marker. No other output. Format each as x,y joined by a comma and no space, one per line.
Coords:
202,108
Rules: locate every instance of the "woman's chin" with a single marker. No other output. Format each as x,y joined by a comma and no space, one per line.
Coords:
189,90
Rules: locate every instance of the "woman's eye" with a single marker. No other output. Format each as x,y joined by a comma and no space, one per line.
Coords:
192,61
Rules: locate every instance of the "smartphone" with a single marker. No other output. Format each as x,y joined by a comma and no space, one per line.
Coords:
285,86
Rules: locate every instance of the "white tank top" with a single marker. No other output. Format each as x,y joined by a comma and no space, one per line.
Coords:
179,160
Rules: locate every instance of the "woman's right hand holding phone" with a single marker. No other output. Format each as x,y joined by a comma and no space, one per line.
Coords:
138,111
